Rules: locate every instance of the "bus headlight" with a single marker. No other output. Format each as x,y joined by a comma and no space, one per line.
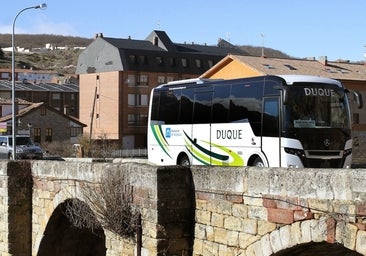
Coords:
347,152
294,151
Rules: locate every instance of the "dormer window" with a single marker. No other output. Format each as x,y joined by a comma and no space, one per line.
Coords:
290,67
132,59
172,62
159,60
210,63
268,66
198,63
142,59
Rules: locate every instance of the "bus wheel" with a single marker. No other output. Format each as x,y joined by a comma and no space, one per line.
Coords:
184,160
258,162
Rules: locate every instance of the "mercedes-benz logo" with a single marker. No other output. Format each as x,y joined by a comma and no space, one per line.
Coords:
326,142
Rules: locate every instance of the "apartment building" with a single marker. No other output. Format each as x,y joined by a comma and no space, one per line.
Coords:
117,75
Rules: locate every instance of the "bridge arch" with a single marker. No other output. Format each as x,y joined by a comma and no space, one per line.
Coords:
61,237
49,221
320,248
308,237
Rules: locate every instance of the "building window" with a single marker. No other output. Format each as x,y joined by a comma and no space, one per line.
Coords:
161,79
37,135
169,79
48,135
137,120
131,80
159,60
43,111
132,119
356,118
131,100
5,75
137,100
56,96
172,62
184,62
143,80
132,59
76,131
198,63
143,59
210,63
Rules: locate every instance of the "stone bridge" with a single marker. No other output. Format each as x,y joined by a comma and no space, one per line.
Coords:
187,211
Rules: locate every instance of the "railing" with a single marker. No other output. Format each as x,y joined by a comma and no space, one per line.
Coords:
140,152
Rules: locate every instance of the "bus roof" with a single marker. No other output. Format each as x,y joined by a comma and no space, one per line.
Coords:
290,79
189,81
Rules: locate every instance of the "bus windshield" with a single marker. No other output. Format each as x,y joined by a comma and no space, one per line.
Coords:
316,106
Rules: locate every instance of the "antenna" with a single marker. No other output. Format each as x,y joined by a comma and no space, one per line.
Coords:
228,34
262,42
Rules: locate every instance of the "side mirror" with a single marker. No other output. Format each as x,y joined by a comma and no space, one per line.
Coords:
285,97
357,97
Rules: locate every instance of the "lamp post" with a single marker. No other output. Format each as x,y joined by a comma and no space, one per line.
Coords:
13,123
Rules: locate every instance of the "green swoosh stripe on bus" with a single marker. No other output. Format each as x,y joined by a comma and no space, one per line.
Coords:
158,134
208,157
206,151
238,161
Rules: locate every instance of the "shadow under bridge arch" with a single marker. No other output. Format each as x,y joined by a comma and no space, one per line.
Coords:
65,235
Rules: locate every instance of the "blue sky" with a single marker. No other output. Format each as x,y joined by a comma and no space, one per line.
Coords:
300,28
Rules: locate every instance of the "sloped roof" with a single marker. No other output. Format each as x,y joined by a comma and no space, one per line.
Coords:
6,85
106,54
282,66
34,106
132,44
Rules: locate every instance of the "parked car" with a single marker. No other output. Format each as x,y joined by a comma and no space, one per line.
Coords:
25,148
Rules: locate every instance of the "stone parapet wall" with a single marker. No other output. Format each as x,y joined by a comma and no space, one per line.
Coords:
4,224
193,211
260,211
162,195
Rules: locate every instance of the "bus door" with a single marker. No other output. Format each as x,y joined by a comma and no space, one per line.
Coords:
271,131
201,128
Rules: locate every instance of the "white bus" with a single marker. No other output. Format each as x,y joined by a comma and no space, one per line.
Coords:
269,121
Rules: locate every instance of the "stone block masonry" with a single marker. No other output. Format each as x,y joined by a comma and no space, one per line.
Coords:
261,211
192,211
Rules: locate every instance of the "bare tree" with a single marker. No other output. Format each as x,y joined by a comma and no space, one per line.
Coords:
109,205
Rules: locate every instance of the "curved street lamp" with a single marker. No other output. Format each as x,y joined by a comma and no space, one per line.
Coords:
13,123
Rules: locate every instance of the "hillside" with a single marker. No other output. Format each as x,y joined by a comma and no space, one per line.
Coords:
38,41
65,61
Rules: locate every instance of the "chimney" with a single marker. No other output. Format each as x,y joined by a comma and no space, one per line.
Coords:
323,60
99,35
156,41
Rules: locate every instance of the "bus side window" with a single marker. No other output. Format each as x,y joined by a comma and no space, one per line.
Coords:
271,117
168,111
220,104
246,103
155,106
186,106
202,107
